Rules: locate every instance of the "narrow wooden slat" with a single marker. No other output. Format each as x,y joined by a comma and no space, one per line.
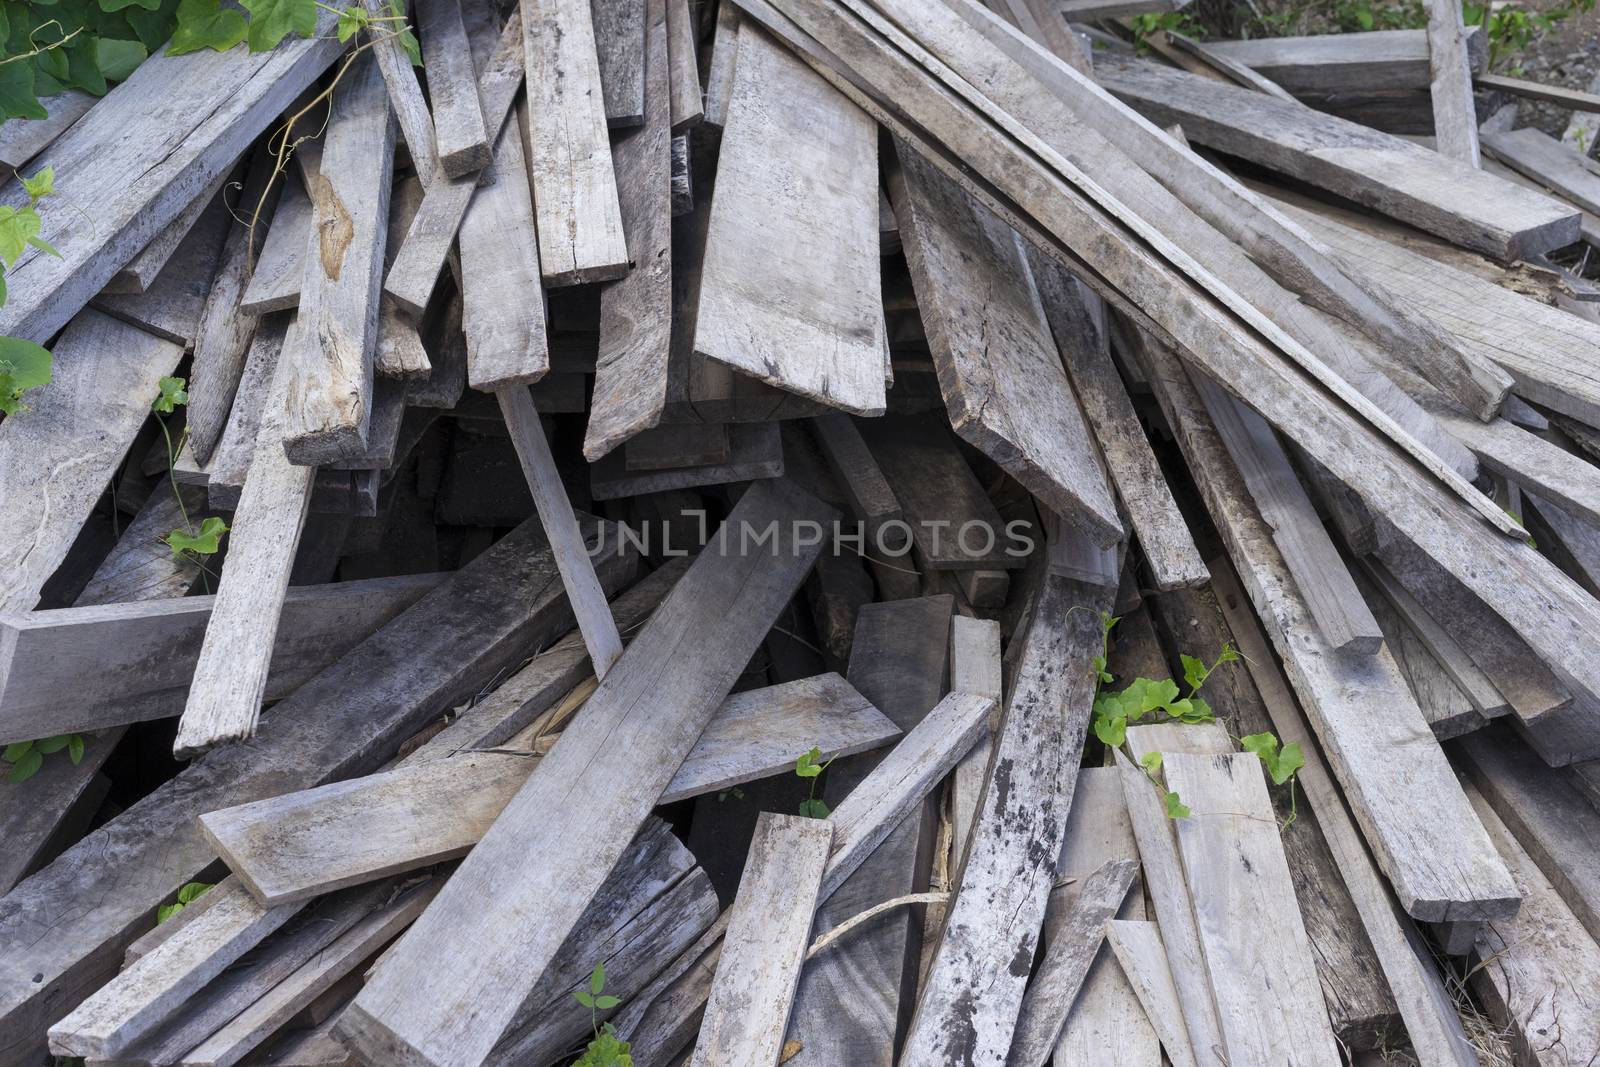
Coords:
461,137
1549,162
619,30
769,928
796,210
719,77
669,447
1455,116
999,368
59,453
712,621
1531,461
330,388
755,450
853,464
631,366
974,668
21,139
1550,94
683,58
140,274
279,254
1141,956
569,153
171,305
1448,710
1374,60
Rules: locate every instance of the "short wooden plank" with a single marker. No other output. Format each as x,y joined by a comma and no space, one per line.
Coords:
230,462
1143,960
795,212
279,254
461,137
1572,542
140,274
1384,172
858,474
999,367
22,139
1455,115
230,674
1374,60
755,451
427,241
1164,539
569,152
685,445
631,364
710,624
345,722
619,30
684,60
1574,99
1367,722
399,354
1530,461
719,75
1320,576
171,305
1538,972
1547,161
124,662
59,453
974,668
131,1004
1448,710
502,305
1255,944
769,929
1010,863
142,168
330,388
1065,967
302,844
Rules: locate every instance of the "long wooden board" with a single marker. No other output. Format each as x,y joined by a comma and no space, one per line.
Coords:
790,290
710,624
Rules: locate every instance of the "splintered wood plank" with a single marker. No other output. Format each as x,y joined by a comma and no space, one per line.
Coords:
230,675
502,304
939,493
848,1002
125,662
1084,343
697,643
683,58
1320,575
569,152
212,105
1268,999
330,389
428,239
302,844
790,292
1455,116
1390,174
279,253
1538,972
345,722
461,137
561,527
1432,1023
631,364
1010,864
619,30
1065,967
1366,719
999,368
755,451
58,453
769,929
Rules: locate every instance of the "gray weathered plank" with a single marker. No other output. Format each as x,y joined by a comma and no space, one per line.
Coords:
719,75
795,212
171,305
1335,62
684,60
710,624
569,152
1455,116
279,254
755,451
141,273
22,139
1448,710
683,445
230,462
1143,960
59,453
461,137
1532,462
769,929
330,387
999,367
619,30
1547,161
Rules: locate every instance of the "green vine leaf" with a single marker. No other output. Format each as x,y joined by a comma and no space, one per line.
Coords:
204,543
273,20
173,395
814,808
206,24
1176,808
1281,765
26,766
807,766
23,366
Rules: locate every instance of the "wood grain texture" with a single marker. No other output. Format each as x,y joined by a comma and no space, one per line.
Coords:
59,453
698,640
330,387
21,139
427,242
1255,944
279,254
462,139
1448,710
631,364
1455,115
619,30
139,184
125,662
1142,958
683,58
569,153
790,292
140,274
769,929
1009,868
302,844
171,305
719,75
1531,461
1387,173
230,674
502,304
1547,161
1374,60
999,368
974,668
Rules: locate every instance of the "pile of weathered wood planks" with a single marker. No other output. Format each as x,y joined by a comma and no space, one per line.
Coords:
826,532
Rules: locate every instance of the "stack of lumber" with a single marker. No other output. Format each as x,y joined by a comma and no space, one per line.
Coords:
700,479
